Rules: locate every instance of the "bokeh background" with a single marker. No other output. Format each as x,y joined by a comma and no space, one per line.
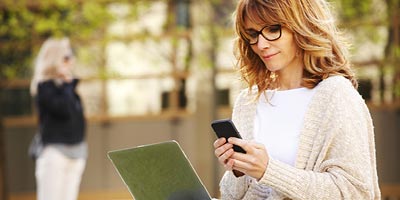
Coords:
157,70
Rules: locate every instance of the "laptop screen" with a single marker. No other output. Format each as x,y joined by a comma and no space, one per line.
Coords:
158,172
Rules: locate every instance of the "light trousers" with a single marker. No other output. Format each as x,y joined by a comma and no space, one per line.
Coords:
58,177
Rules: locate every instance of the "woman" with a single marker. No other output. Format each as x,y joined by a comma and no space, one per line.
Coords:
306,130
59,166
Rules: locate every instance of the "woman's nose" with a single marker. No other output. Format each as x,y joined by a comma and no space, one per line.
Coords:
262,42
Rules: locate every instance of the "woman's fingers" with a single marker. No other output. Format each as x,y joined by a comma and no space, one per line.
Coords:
225,156
221,148
242,143
219,142
254,162
228,164
223,151
245,144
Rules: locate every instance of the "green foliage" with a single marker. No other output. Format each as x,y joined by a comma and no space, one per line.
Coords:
355,9
25,25
397,89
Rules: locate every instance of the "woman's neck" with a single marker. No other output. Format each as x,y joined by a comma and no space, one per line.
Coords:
290,79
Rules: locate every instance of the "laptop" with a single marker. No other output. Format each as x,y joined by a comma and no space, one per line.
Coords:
158,171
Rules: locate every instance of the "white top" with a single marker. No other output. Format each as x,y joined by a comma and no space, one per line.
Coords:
278,122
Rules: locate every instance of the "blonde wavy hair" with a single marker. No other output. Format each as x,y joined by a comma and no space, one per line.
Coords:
322,46
50,58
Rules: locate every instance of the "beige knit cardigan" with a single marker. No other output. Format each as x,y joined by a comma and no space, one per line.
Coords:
336,155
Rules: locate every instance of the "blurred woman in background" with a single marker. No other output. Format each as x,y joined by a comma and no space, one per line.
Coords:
61,161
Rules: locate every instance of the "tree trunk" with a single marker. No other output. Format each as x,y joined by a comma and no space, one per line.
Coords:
392,50
3,182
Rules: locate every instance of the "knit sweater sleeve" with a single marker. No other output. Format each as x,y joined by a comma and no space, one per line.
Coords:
337,150
233,187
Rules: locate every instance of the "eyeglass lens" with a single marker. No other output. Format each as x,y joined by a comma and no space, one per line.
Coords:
270,33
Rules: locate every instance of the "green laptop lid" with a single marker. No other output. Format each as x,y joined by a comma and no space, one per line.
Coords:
158,172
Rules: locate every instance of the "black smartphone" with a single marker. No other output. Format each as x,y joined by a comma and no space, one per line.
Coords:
225,128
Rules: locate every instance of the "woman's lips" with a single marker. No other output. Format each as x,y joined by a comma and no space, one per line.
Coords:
269,56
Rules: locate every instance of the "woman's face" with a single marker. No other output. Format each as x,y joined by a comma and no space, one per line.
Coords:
67,63
278,55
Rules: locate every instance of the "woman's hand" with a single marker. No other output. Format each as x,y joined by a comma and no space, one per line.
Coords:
64,73
223,151
253,163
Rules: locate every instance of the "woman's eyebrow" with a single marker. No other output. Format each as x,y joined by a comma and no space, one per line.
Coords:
250,29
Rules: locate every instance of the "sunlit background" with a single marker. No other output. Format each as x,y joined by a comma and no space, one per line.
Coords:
157,70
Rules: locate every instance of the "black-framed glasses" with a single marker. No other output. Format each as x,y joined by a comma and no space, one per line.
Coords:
269,32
